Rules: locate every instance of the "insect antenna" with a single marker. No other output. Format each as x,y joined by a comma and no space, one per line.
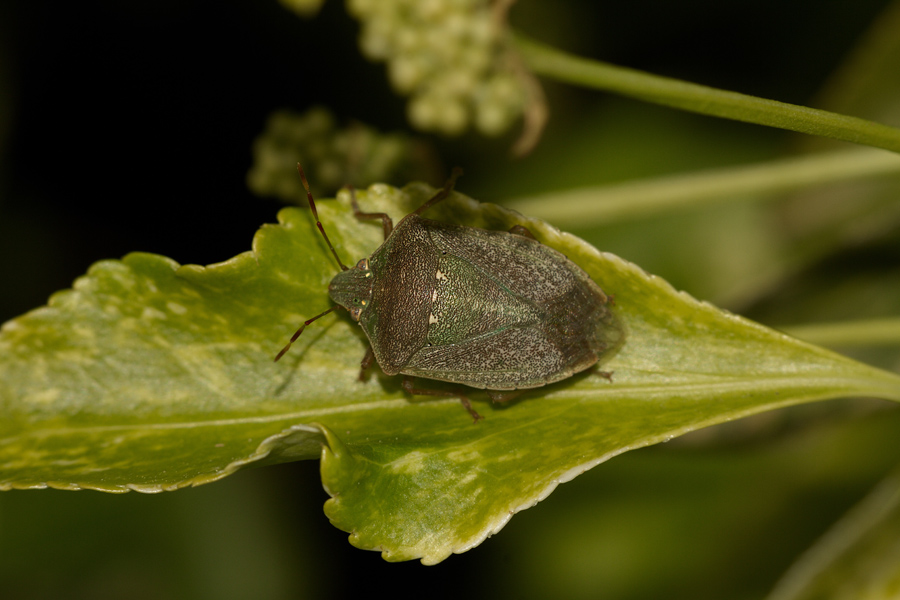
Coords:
302,327
312,205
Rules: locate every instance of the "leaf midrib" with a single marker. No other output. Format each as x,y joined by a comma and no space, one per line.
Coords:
833,386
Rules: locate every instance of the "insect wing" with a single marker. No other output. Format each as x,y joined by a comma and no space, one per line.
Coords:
550,321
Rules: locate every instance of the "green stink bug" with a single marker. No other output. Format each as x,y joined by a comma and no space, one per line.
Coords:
492,310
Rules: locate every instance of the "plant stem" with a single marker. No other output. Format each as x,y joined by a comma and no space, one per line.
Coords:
629,200
874,332
550,62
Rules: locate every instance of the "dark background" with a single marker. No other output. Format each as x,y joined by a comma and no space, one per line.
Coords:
128,126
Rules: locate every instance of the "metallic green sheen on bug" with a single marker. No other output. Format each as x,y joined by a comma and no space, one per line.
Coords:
487,309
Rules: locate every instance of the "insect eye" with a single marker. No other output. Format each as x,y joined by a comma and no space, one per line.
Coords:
363,264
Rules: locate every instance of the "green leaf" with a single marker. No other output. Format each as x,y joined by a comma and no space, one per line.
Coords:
756,480
151,376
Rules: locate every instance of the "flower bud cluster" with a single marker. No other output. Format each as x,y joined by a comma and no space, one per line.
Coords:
332,157
449,56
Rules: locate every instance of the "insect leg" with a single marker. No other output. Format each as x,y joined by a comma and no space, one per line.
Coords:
523,231
414,391
386,221
504,395
442,194
366,363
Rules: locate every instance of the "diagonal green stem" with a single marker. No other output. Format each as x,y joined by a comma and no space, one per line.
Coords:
874,332
587,206
550,62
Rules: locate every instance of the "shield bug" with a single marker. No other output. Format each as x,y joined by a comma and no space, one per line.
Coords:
493,310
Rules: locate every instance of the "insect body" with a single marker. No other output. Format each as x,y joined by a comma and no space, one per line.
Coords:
487,309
